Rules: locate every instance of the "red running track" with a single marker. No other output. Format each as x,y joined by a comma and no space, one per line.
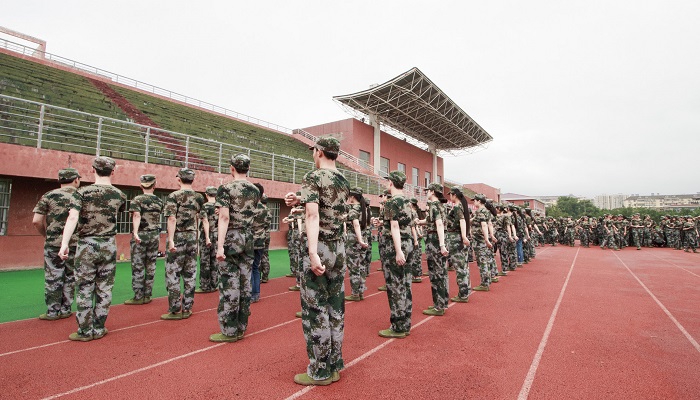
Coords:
574,323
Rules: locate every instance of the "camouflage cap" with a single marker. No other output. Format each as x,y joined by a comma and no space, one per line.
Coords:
103,163
356,190
148,180
367,201
66,175
480,197
397,178
211,190
414,200
240,162
329,144
185,173
455,190
435,187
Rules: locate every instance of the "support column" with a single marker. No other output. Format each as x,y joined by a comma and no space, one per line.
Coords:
434,174
376,153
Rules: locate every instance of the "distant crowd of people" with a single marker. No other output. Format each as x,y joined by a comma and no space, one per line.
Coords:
618,232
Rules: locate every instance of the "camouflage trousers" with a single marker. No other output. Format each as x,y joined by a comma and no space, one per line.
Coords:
95,264
208,265
691,240
512,255
302,251
646,237
398,286
416,260
458,259
437,271
323,310
355,256
529,249
585,237
235,286
381,244
368,251
265,261
507,261
636,236
293,250
483,260
59,281
608,241
143,263
181,263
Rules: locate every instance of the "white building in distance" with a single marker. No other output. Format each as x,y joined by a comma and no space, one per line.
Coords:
609,201
663,202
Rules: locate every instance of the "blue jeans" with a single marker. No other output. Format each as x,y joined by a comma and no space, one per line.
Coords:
255,276
519,249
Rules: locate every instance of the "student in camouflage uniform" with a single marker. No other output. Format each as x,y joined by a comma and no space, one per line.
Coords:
637,228
529,245
182,209
265,259
504,238
609,231
50,216
367,232
145,217
481,242
585,231
324,193
416,261
436,249
382,242
237,201
690,233
493,268
648,225
290,220
96,207
208,266
261,218
569,232
457,227
355,244
400,240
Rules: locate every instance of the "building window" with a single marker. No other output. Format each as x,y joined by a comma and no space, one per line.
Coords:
414,171
526,203
364,156
402,168
5,190
427,178
439,179
384,165
273,207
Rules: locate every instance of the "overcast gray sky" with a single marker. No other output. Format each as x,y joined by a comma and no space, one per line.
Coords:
581,97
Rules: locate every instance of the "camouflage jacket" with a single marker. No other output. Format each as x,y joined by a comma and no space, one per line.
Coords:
436,211
150,207
208,211
398,209
98,206
481,215
329,189
454,215
55,206
261,219
241,198
184,205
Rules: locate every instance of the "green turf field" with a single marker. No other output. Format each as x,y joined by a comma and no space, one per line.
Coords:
22,292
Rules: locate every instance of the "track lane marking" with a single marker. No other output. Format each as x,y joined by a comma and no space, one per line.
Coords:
137,325
158,364
530,377
677,266
680,327
363,356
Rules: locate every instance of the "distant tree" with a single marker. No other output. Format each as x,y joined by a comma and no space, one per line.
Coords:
571,206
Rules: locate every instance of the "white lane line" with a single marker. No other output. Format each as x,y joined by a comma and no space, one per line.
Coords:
307,389
665,310
530,377
148,367
677,266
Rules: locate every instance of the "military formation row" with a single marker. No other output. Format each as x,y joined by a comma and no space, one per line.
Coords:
617,232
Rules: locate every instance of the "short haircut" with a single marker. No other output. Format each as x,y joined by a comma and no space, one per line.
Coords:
103,172
329,155
260,188
186,181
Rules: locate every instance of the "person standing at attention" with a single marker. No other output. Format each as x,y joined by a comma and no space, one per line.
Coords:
324,193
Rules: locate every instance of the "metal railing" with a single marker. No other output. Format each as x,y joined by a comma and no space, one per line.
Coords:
33,52
40,125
